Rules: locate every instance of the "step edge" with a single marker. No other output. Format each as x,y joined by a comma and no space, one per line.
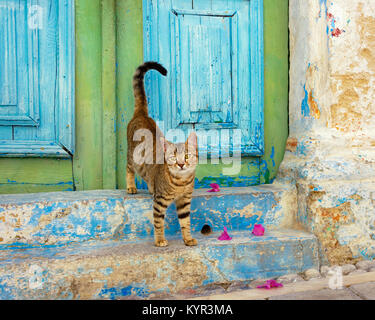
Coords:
100,195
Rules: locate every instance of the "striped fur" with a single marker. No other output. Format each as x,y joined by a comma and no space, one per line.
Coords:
169,180
138,85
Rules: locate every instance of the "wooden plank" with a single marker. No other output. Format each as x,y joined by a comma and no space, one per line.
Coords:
256,23
109,93
199,4
8,57
6,133
65,116
129,57
18,55
45,82
25,148
88,158
183,4
164,57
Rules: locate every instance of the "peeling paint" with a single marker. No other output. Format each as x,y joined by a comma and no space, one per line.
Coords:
57,218
330,153
291,144
113,269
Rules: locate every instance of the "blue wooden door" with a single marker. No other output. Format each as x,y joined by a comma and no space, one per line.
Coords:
36,78
213,50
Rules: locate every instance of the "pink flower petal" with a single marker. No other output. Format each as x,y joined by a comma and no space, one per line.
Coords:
224,236
215,187
258,230
270,284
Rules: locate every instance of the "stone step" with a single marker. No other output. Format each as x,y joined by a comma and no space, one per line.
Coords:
64,217
114,269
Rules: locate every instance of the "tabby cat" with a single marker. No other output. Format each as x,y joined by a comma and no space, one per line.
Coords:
172,178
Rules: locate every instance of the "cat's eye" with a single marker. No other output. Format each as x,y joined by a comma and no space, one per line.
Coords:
186,156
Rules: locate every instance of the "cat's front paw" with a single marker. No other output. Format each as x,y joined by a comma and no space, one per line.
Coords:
161,243
132,190
191,242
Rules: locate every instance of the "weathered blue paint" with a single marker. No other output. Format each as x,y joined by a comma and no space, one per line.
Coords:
252,262
37,59
63,218
18,100
273,156
139,270
204,42
99,244
305,104
140,291
323,3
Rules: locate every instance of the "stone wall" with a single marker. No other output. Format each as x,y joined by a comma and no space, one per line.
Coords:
331,147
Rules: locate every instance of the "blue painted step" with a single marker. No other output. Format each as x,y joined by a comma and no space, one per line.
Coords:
63,217
113,269
99,244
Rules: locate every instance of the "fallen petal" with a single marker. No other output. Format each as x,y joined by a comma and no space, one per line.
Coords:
258,230
270,284
224,236
215,187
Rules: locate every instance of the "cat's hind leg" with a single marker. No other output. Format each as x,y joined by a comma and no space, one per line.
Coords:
183,212
130,180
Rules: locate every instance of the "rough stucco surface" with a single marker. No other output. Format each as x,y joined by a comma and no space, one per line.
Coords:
99,244
60,218
119,269
331,149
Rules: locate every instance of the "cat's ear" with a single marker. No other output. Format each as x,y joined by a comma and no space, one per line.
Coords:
192,140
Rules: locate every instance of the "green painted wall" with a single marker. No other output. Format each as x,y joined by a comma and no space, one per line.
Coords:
109,93
109,46
129,56
276,90
35,175
88,158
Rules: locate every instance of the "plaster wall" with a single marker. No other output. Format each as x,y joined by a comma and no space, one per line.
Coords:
331,147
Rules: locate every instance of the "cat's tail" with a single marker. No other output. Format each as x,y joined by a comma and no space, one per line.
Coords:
138,85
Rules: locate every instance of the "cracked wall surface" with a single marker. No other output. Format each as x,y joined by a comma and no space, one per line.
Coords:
331,148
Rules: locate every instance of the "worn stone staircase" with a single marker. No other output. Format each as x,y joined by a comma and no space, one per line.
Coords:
99,244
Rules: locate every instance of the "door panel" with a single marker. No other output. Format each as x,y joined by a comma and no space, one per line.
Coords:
213,51
203,38
18,99
37,78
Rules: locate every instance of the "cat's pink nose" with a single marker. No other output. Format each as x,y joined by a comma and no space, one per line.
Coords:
181,165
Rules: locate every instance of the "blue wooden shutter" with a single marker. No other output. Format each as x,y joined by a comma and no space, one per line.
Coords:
36,78
214,53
